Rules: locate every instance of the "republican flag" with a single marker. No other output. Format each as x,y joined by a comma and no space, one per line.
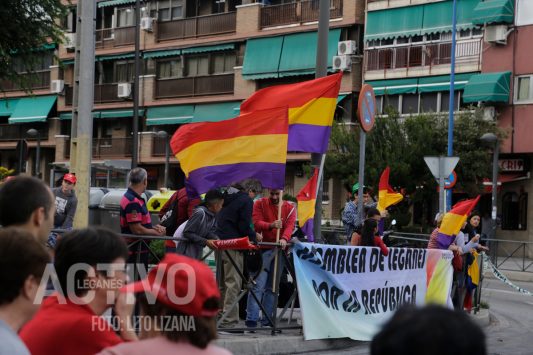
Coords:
386,195
311,107
252,145
306,206
453,221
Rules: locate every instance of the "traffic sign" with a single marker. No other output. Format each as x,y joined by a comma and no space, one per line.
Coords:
449,164
366,108
450,181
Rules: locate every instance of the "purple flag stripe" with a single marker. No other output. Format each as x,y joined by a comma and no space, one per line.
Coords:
445,240
271,175
308,138
308,230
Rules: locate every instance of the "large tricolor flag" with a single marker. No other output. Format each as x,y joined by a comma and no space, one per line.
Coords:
453,222
311,107
386,195
306,206
214,154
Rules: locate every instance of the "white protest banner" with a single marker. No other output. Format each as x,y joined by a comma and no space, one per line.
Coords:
351,291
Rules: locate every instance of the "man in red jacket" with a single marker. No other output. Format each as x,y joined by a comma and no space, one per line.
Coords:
266,222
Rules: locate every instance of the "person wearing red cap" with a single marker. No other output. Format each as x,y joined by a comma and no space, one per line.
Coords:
66,202
179,301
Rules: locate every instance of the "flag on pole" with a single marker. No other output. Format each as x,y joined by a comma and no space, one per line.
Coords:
453,222
386,195
311,107
214,154
306,206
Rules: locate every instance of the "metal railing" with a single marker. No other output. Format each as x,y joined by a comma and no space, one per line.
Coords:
197,26
14,132
34,81
114,37
296,12
195,86
107,148
103,93
423,55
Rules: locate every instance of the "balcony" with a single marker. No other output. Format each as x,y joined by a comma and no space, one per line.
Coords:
115,37
159,146
196,26
103,93
194,86
34,81
423,55
104,148
14,132
296,13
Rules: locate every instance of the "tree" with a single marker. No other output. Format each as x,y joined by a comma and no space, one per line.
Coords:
27,26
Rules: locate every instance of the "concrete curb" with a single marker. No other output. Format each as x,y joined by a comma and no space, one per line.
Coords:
282,344
482,318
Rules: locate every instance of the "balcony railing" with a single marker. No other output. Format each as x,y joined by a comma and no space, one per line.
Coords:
194,86
34,81
13,132
115,37
103,93
197,26
296,12
158,146
423,55
107,148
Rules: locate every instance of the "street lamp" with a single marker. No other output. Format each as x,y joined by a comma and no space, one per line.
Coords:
490,140
164,135
32,132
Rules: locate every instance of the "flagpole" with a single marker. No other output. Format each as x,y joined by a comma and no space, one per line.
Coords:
278,232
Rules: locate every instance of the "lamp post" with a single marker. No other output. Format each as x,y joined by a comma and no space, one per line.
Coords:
164,135
32,132
490,140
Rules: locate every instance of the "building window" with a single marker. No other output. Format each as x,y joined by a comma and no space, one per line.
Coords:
429,102
392,102
445,101
124,72
197,66
169,10
514,211
126,17
379,105
523,89
524,13
409,103
222,63
169,69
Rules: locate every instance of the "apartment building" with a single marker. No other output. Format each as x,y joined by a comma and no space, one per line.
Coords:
200,60
407,59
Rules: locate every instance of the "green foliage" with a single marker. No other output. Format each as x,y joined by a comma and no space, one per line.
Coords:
158,247
4,172
402,143
287,197
26,26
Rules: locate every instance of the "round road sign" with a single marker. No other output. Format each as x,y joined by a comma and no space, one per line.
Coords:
366,107
450,181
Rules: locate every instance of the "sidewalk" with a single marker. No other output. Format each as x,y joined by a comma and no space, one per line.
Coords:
512,269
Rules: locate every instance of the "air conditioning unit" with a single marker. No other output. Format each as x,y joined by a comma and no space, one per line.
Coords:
124,90
342,62
496,34
56,86
346,47
489,113
70,41
146,24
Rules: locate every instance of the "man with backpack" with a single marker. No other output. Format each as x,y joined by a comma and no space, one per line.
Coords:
176,211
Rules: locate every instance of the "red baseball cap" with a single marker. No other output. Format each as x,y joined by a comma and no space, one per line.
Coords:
70,178
181,283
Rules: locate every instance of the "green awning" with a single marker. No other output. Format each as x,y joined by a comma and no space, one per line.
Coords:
298,56
169,115
394,87
32,109
261,58
493,87
215,112
442,83
67,62
104,114
494,11
419,19
397,22
115,3
205,49
7,106
160,54
115,57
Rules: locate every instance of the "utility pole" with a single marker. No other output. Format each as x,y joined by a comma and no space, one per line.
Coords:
452,97
82,119
321,71
135,134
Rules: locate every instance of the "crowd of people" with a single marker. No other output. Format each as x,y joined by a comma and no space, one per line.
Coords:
90,275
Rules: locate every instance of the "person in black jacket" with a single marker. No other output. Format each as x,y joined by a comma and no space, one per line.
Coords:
233,221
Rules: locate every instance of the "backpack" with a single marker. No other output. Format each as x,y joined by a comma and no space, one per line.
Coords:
170,219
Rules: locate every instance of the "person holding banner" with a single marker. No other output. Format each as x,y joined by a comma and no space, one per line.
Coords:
268,221
369,236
